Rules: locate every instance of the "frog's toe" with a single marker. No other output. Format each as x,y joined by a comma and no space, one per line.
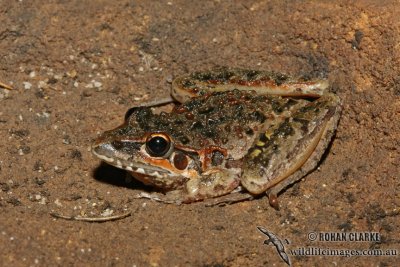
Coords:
228,199
159,198
273,199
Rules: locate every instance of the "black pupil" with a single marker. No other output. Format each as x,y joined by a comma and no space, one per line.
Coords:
157,146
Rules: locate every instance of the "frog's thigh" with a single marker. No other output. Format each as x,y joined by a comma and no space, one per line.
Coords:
293,149
309,165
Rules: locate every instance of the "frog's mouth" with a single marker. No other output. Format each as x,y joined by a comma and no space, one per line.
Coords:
107,153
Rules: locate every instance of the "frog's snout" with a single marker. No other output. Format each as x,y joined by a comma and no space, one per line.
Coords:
103,151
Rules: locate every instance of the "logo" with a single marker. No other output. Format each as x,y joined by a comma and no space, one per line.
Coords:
276,241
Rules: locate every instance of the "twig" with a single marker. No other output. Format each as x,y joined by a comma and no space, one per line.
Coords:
91,219
5,86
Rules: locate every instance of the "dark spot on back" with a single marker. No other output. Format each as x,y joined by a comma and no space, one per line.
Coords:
197,125
263,138
184,140
257,116
285,128
249,131
280,79
251,74
217,158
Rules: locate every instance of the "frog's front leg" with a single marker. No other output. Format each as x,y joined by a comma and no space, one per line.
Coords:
210,184
291,149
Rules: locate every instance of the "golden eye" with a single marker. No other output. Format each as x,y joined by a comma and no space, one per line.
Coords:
158,144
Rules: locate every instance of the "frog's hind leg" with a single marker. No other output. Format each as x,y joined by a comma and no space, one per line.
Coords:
292,150
310,164
259,82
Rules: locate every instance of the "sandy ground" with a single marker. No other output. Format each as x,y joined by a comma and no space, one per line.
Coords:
77,66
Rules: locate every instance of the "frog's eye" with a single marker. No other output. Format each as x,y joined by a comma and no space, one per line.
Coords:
158,145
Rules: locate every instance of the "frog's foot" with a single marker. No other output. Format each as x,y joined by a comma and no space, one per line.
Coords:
159,197
228,199
175,197
169,198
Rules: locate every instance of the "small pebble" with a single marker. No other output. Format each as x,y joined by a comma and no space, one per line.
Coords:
97,84
27,85
107,212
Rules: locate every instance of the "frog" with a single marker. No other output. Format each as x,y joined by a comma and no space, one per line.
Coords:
234,134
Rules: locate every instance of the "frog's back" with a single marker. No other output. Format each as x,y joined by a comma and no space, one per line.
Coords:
231,120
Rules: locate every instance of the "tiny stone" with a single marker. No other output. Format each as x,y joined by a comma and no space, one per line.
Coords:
107,212
97,84
72,73
27,85
169,78
43,201
42,84
57,202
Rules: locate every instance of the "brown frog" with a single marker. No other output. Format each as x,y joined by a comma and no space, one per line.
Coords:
235,129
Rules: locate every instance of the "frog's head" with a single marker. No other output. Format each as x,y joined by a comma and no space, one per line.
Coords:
158,150
200,139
